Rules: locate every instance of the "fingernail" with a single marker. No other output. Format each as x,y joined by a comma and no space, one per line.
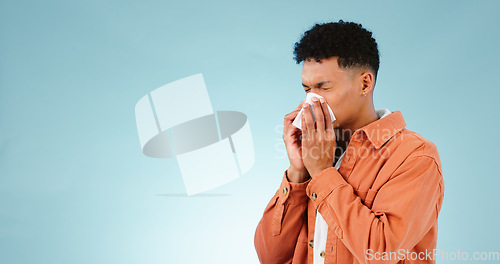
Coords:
322,100
315,99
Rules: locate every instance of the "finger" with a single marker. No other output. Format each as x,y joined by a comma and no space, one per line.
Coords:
300,105
296,137
292,115
320,119
328,118
309,122
289,119
303,124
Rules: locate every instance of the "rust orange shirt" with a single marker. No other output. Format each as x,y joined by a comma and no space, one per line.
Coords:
381,205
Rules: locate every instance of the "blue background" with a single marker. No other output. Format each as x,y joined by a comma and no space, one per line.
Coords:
76,188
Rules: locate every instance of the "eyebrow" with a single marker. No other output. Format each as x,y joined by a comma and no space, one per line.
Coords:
318,84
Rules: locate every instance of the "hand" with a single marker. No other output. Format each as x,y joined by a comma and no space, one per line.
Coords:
318,139
292,138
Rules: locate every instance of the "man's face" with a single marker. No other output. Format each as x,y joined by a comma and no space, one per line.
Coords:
340,87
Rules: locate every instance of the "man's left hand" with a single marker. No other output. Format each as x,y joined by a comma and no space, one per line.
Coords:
318,142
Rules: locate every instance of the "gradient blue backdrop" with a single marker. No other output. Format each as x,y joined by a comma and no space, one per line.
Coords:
75,187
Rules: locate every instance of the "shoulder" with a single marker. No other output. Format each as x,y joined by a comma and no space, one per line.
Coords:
418,146
423,146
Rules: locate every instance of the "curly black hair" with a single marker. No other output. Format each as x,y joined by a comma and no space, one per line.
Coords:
350,42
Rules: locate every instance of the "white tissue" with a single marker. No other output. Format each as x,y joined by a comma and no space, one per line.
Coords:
298,122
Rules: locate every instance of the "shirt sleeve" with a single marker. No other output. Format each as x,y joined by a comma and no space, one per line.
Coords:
277,232
404,209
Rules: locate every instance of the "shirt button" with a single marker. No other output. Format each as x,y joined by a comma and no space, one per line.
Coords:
314,196
311,243
322,254
285,191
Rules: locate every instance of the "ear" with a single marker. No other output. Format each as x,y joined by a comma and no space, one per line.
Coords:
367,82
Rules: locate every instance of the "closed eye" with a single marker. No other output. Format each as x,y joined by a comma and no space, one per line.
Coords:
324,89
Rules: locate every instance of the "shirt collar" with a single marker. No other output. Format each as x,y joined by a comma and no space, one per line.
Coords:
383,129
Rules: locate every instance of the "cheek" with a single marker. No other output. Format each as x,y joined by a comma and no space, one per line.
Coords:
337,102
341,105
337,108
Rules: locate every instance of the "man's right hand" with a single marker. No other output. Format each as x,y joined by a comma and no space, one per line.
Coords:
292,136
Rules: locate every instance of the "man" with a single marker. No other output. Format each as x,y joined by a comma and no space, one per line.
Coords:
360,189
